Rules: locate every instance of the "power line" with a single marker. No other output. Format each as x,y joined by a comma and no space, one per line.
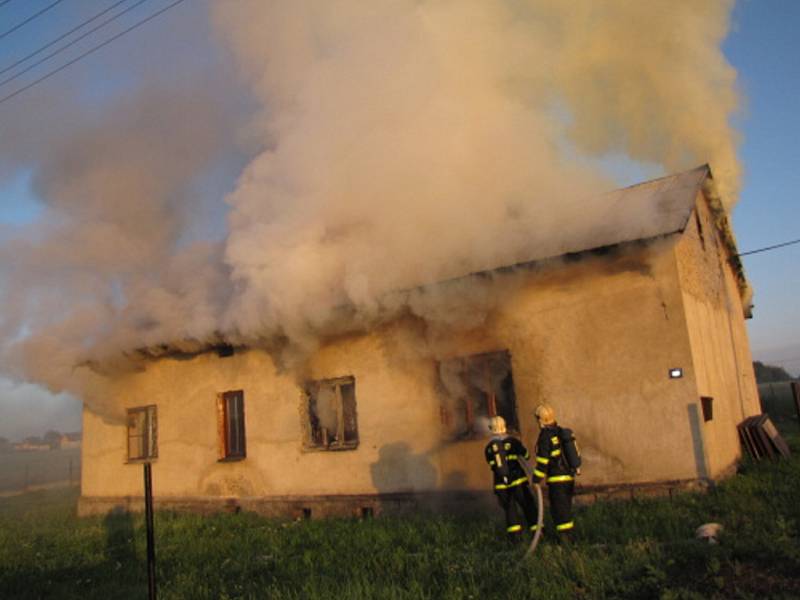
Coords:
4,2
769,248
90,51
61,37
29,19
65,46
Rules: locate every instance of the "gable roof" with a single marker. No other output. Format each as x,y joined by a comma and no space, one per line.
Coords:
653,208
640,213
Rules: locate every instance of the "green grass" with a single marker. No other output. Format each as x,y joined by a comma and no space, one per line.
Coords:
637,549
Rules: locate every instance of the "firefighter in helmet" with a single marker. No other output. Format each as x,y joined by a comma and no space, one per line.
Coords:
503,453
552,466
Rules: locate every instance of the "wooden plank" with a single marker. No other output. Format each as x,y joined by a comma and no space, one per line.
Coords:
221,445
775,438
339,415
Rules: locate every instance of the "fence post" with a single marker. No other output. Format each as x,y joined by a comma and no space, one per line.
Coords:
796,394
151,550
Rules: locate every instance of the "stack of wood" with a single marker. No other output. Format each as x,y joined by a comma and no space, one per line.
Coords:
761,439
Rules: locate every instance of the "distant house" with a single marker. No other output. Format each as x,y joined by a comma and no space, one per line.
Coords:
70,440
637,339
30,445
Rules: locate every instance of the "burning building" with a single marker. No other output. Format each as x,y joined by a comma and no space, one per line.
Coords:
636,337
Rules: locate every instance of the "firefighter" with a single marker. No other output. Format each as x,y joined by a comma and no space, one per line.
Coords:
552,466
503,453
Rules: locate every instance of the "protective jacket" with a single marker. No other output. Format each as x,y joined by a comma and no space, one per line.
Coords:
551,464
503,454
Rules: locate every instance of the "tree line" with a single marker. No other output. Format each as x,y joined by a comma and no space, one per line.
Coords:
770,373
52,439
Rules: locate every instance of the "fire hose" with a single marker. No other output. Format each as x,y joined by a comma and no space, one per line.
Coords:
539,521
540,511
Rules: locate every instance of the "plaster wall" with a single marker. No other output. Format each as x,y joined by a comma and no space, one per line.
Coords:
597,339
594,336
720,348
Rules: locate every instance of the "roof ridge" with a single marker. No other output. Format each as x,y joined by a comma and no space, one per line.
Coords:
669,176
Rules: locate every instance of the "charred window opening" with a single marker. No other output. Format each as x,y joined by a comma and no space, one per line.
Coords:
707,406
225,350
230,425
332,414
475,388
700,230
142,433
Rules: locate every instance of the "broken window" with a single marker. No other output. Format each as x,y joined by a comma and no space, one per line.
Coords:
475,388
332,414
142,433
230,425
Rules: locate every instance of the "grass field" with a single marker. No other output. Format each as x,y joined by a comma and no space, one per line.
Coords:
20,470
637,549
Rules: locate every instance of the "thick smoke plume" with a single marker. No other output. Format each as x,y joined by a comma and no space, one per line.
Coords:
399,143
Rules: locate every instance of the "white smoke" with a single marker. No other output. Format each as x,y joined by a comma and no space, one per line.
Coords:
399,143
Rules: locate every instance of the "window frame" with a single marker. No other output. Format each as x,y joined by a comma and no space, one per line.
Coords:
311,420
225,450
449,403
149,435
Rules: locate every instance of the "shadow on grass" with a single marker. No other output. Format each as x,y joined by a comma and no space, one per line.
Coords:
113,572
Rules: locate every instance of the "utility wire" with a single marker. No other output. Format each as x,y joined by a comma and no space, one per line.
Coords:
29,19
65,46
769,248
4,2
61,37
90,51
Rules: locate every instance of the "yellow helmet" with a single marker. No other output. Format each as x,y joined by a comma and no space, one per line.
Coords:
545,414
497,425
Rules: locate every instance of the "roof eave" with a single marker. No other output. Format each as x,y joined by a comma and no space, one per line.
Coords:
723,225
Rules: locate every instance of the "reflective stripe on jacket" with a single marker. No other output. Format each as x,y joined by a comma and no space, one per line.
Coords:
503,454
550,462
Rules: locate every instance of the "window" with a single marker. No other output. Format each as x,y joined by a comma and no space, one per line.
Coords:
230,425
707,405
473,389
142,433
332,414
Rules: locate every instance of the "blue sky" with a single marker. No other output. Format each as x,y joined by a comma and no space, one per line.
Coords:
764,49
762,46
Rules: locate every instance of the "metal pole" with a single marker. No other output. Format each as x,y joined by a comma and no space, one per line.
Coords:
151,548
